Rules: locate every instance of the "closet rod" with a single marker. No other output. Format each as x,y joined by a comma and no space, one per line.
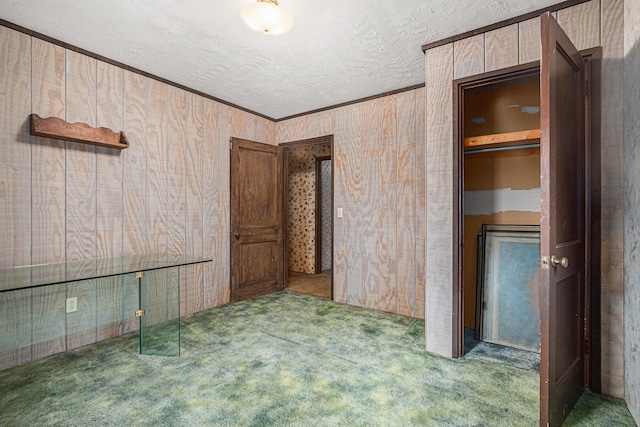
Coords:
511,147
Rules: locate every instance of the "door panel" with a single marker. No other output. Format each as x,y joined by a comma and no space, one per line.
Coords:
256,219
258,262
562,213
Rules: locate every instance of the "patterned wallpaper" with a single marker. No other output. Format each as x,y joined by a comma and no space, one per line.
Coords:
301,206
326,210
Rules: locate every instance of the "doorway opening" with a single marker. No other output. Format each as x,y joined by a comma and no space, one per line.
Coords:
468,257
308,190
499,125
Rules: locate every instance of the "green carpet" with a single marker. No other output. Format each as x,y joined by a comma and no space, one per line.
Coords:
285,359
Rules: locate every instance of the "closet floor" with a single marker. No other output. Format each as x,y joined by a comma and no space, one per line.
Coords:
483,350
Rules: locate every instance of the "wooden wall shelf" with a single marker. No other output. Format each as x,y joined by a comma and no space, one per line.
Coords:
56,128
503,138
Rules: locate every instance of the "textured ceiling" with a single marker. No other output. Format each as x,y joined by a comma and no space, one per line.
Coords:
337,50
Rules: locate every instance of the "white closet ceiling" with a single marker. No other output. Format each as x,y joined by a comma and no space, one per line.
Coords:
337,50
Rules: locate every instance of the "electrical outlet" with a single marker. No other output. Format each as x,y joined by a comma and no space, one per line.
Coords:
72,305
340,213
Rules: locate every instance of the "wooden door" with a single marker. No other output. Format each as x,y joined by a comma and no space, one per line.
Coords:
562,245
256,219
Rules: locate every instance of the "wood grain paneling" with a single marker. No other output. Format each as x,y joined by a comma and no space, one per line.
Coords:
15,152
83,202
501,48
320,124
354,143
109,185
194,156
48,157
439,252
582,24
176,180
211,190
421,201
176,142
468,56
80,159
388,205
340,198
134,159
80,193
370,213
244,125
134,189
110,297
366,186
15,316
529,41
15,183
48,321
157,192
47,196
612,195
265,130
632,213
406,217
308,126
218,124
295,129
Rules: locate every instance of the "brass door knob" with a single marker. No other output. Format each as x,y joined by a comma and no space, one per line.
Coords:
236,235
564,262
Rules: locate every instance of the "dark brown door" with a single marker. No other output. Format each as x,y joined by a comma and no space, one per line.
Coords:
562,245
256,219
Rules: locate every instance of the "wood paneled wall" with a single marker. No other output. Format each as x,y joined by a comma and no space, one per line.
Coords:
590,24
379,181
64,201
632,209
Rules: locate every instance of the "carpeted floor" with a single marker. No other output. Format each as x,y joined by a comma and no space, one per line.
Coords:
317,285
285,359
483,350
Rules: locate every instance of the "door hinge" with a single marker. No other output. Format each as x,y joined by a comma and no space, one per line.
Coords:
139,313
230,143
139,274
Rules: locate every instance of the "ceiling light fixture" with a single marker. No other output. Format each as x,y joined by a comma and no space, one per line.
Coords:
267,17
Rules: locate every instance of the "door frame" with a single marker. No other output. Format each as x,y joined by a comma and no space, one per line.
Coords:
459,88
592,59
319,188
288,146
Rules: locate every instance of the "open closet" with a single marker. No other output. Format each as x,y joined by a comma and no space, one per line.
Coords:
526,215
501,137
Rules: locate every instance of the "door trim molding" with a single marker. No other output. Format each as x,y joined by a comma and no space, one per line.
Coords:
459,88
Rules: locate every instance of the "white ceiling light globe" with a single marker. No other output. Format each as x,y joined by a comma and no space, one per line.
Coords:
267,17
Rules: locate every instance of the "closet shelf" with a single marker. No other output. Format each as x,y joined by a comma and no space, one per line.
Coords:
53,127
502,138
